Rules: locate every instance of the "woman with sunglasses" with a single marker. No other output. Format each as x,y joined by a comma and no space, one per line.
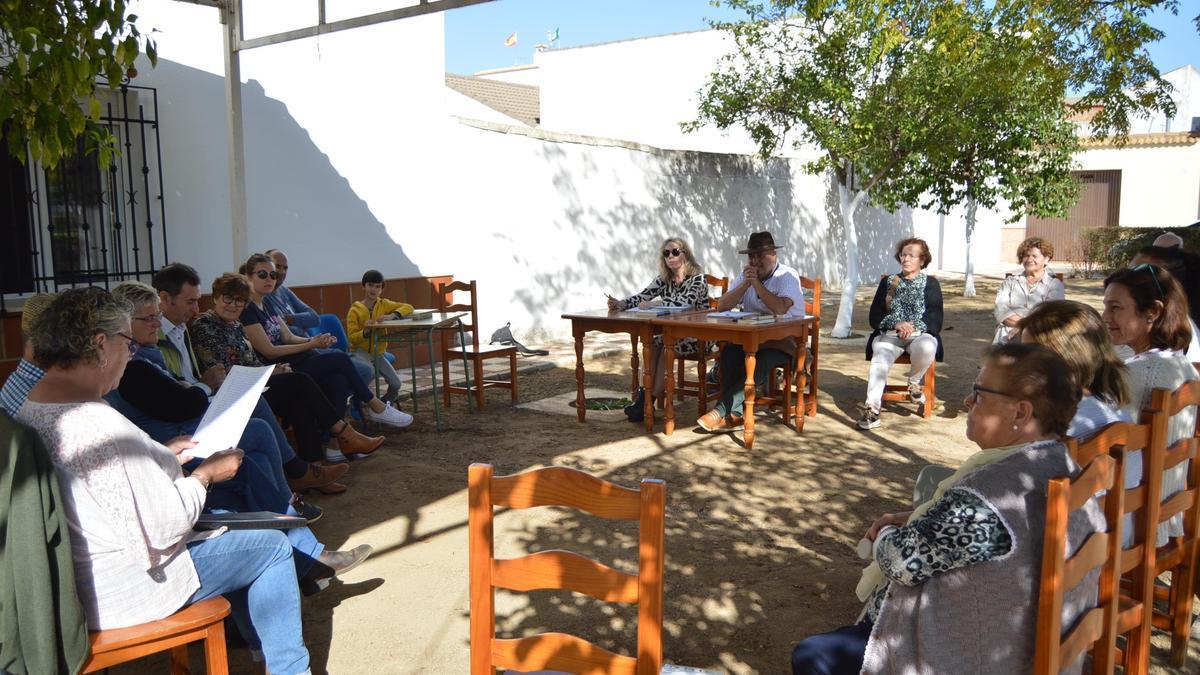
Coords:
333,371
1185,267
218,338
1146,310
680,283
952,586
906,316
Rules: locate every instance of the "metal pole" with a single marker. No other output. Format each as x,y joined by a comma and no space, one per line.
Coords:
237,150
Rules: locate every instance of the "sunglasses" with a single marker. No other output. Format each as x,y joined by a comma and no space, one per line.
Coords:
672,253
133,345
1153,275
239,302
263,274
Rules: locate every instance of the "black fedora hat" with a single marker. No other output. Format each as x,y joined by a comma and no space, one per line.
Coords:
760,241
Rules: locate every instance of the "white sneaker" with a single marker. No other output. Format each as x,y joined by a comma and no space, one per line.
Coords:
916,391
334,456
391,417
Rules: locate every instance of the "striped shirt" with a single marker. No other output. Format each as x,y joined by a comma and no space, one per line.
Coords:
19,384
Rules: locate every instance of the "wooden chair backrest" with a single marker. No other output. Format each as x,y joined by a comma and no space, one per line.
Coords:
1186,501
560,486
1127,437
446,303
812,298
1097,625
721,283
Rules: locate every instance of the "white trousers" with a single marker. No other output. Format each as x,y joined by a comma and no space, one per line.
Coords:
887,348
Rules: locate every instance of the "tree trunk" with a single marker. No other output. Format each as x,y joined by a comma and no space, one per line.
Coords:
849,202
969,285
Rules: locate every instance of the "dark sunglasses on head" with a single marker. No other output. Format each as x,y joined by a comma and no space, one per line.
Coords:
263,274
1153,275
672,253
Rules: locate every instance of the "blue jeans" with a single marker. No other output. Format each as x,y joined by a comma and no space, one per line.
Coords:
839,652
252,569
733,375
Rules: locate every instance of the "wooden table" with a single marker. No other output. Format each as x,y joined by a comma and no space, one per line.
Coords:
750,336
409,331
639,327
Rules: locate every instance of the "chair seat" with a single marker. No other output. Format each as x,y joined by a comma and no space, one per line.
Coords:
190,618
486,351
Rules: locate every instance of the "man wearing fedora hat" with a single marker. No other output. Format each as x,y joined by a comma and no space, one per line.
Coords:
765,286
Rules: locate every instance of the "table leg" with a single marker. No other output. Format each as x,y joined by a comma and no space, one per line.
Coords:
669,365
648,379
437,406
412,370
633,364
580,402
801,381
748,406
462,340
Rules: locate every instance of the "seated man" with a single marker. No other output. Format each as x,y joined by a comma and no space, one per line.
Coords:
765,286
300,317
17,386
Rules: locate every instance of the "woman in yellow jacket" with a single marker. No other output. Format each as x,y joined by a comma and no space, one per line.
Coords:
362,316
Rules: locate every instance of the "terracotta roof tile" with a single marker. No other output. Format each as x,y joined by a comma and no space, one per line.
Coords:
519,101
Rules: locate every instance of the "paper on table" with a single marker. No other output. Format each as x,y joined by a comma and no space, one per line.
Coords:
230,410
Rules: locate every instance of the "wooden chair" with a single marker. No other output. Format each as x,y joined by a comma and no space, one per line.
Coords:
806,400
201,621
700,387
1133,562
560,486
899,392
473,352
1094,628
1179,555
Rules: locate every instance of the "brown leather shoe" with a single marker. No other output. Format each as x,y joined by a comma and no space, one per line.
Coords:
332,489
714,421
350,441
318,476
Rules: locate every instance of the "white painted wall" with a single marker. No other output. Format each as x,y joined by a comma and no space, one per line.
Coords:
529,74
1186,94
1160,186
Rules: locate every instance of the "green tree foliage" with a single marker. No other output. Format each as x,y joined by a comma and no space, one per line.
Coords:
51,54
935,102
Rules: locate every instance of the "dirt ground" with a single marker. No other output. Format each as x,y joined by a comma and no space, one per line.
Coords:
760,543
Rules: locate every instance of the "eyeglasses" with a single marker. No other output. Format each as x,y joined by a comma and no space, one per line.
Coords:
1153,275
132,344
977,389
263,274
910,256
150,318
672,253
237,302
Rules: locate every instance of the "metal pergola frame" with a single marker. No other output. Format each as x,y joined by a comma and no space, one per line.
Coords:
232,17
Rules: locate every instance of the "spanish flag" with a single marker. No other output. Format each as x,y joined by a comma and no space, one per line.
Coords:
510,40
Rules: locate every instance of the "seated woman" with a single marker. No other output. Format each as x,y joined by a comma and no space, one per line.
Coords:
276,343
1020,293
1185,267
932,604
906,316
131,509
680,283
1146,310
218,338
1076,332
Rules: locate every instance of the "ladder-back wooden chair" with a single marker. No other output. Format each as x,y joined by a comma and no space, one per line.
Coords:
1179,555
474,352
701,388
560,486
899,392
200,621
1063,571
1136,557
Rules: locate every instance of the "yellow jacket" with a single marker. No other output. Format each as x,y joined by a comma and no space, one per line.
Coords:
358,316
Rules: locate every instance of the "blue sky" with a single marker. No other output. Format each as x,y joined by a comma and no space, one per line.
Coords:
475,35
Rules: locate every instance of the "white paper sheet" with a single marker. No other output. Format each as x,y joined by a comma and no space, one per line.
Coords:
230,410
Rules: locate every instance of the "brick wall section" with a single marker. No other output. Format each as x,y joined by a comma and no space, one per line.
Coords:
420,292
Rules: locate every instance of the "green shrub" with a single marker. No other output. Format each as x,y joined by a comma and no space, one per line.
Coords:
1106,249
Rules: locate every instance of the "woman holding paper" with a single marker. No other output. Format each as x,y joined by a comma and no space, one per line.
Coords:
906,316
218,338
680,283
274,341
952,586
131,509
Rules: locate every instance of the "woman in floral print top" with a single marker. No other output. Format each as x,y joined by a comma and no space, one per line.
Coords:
680,283
907,317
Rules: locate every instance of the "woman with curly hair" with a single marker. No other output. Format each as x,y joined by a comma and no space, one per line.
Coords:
1020,293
